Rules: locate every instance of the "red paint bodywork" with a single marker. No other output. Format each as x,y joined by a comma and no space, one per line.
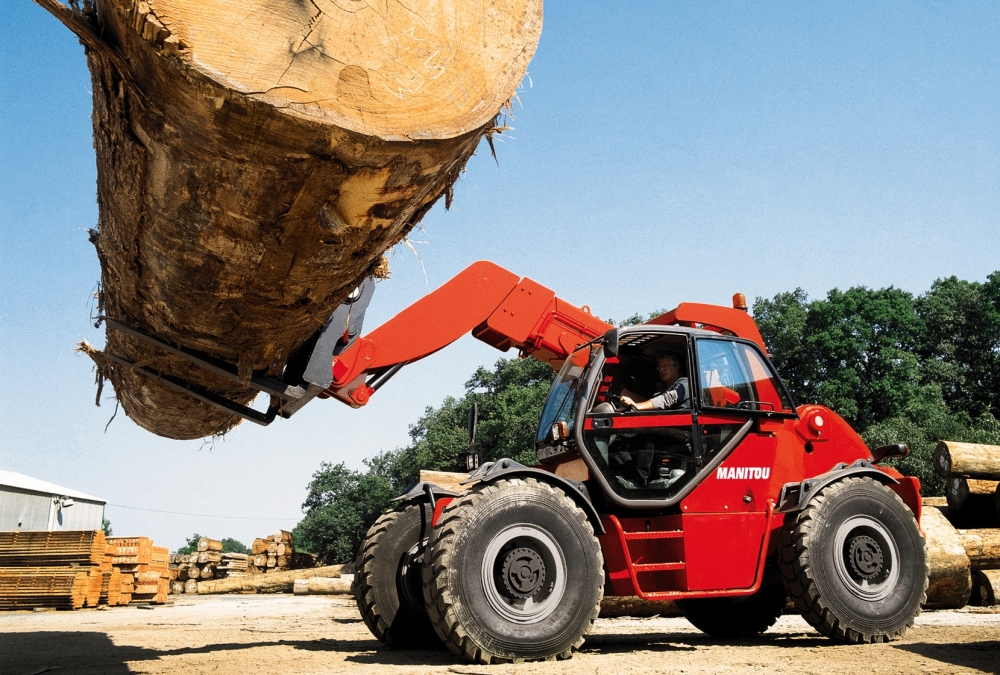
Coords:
716,543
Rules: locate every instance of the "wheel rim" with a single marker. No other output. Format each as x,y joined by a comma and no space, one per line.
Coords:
410,584
524,574
866,558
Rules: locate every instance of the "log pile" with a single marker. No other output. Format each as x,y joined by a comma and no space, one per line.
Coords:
256,158
282,581
276,553
964,544
209,562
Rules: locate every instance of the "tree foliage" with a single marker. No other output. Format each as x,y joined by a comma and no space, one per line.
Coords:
191,545
230,545
897,368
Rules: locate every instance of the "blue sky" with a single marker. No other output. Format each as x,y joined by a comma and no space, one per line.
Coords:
664,152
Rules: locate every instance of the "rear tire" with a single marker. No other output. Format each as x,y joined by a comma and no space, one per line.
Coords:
387,584
736,618
854,562
513,572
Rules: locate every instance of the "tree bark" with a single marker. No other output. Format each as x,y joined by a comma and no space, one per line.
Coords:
950,582
976,495
971,460
982,547
266,583
322,586
206,544
256,158
448,480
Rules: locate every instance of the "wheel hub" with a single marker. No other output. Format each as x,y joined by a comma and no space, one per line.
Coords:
523,573
866,557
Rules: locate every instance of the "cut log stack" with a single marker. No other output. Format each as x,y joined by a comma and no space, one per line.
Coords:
63,570
209,562
276,553
972,472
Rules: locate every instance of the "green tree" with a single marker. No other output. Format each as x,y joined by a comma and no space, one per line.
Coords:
106,526
230,545
191,546
854,351
340,507
782,324
923,422
960,345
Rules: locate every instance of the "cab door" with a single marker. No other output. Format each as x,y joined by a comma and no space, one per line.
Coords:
725,516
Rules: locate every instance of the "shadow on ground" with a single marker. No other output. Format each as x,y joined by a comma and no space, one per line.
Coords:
984,656
615,643
93,653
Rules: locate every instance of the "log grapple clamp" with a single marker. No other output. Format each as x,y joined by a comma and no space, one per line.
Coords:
306,374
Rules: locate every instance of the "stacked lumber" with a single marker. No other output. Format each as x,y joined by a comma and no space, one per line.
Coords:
972,498
64,570
144,569
276,553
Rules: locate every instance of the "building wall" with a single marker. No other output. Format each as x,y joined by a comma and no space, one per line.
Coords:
22,510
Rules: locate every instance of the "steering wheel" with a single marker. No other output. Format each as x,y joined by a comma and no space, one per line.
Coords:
620,405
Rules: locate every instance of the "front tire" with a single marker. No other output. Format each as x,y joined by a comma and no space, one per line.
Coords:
513,572
387,584
736,618
854,562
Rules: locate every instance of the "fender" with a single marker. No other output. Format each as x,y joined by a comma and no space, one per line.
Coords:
795,496
574,489
425,491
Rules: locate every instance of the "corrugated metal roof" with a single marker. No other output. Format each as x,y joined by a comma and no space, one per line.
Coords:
22,482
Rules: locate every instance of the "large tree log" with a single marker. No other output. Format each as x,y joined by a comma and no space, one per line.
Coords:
971,460
971,494
950,582
322,586
266,583
982,547
256,158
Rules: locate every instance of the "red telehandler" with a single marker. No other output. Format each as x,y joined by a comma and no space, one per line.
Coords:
729,502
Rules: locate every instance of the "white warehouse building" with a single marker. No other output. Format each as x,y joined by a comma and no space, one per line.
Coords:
30,504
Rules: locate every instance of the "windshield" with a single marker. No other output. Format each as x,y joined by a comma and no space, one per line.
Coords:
564,394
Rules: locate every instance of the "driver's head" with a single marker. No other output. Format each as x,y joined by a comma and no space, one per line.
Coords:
668,366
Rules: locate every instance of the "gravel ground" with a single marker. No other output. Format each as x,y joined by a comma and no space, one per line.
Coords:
254,635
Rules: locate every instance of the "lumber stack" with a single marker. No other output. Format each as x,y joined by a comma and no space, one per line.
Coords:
64,570
255,159
144,569
972,509
276,553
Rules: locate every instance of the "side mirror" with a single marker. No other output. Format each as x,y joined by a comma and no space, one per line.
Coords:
473,421
611,343
889,451
474,455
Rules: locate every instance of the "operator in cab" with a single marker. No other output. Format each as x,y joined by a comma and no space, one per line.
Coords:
676,393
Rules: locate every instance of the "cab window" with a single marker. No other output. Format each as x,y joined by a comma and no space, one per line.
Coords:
734,375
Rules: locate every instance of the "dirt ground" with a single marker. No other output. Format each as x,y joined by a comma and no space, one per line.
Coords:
251,635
